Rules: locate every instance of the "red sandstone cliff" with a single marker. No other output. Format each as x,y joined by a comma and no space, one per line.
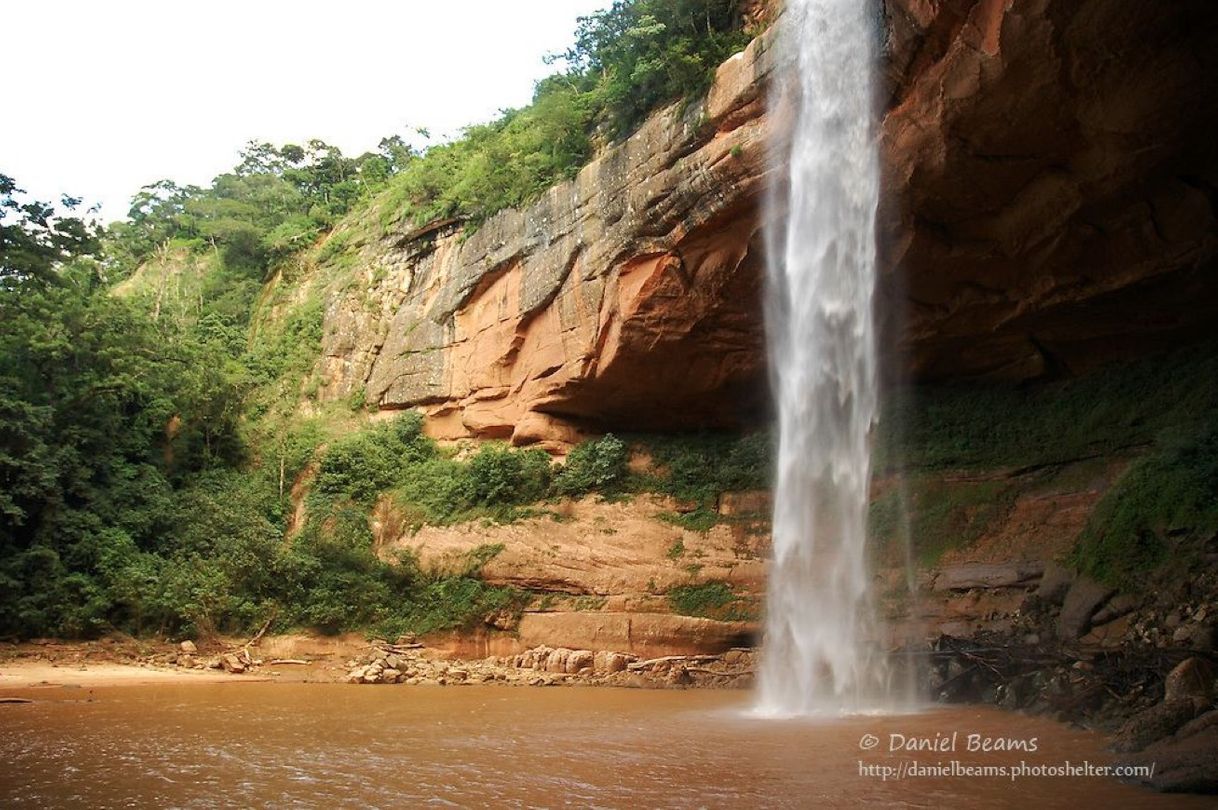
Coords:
1051,188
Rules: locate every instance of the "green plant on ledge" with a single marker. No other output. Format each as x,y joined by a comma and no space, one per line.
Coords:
711,600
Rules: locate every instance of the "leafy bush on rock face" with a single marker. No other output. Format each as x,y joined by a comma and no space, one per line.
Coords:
398,459
698,468
712,600
594,465
500,475
365,464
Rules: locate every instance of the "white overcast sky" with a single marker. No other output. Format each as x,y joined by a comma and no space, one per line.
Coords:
103,97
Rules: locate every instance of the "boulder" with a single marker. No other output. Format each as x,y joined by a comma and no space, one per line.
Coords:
1203,637
1185,763
535,658
1191,679
607,662
1083,600
1120,605
232,663
556,661
966,576
578,660
188,647
1054,583
1156,723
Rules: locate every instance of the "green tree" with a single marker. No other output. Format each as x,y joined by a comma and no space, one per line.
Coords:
36,239
647,52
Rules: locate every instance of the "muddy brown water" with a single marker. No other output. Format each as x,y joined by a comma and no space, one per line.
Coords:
330,745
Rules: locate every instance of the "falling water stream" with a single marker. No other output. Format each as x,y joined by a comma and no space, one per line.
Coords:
820,655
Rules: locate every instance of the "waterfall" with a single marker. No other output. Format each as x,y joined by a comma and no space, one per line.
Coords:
820,653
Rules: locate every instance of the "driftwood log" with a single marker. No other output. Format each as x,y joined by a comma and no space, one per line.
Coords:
671,659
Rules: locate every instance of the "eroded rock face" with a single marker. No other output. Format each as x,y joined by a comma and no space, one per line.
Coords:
646,634
1051,174
628,295
622,553
1051,180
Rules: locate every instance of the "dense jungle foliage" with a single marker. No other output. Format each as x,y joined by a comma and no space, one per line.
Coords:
144,485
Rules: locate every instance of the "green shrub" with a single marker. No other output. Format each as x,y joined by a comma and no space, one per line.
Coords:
700,520
536,476
342,584
500,475
699,467
366,464
597,465
712,600
438,486
494,484
449,603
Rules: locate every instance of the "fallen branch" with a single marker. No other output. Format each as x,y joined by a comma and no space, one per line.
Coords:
15,700
275,662
731,674
671,659
400,649
257,636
